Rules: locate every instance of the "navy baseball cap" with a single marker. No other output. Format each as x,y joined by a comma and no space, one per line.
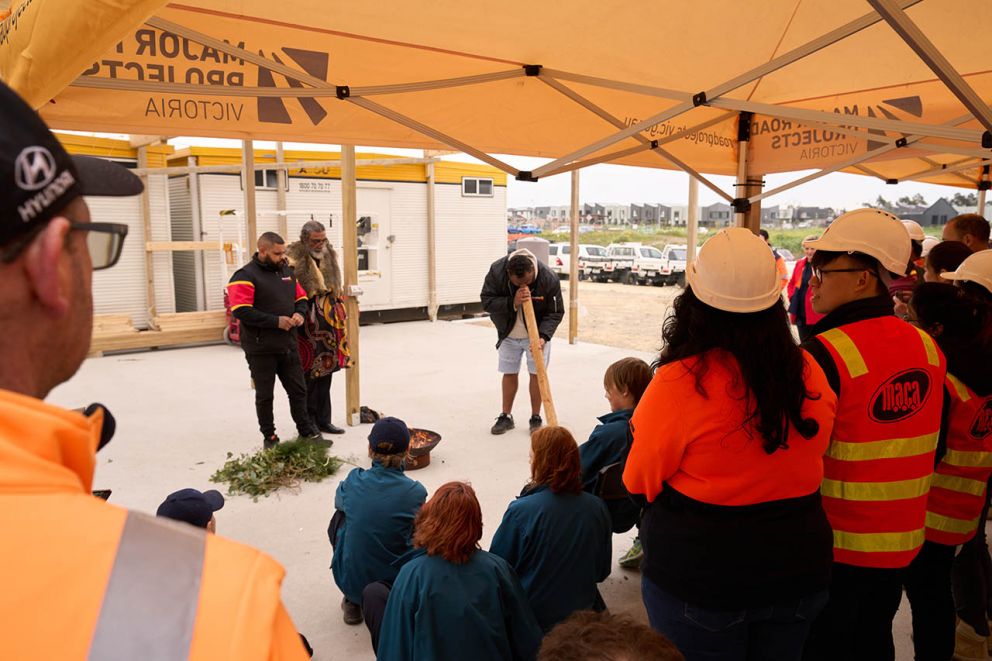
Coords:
389,436
38,177
191,506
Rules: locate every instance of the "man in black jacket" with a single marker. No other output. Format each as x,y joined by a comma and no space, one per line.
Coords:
511,281
269,302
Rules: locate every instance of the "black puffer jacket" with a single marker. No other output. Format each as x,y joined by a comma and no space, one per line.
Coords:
260,294
498,293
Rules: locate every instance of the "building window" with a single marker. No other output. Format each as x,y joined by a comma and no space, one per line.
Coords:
267,180
477,187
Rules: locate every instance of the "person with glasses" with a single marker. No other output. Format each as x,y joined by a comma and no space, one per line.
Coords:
84,578
888,376
322,337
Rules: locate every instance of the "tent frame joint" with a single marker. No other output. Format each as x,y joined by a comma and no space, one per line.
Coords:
532,70
526,175
891,182
699,99
902,142
653,144
987,140
985,185
342,91
741,204
744,126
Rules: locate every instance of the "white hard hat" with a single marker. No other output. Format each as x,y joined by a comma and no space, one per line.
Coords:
914,229
735,272
872,232
928,244
977,268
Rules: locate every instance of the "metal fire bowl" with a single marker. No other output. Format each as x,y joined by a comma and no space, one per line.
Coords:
420,456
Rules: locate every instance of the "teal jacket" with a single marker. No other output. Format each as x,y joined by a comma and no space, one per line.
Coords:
560,545
379,505
440,611
608,443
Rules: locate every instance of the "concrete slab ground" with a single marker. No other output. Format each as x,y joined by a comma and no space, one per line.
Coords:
179,413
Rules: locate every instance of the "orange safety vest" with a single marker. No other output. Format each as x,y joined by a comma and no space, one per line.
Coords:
957,494
879,464
85,579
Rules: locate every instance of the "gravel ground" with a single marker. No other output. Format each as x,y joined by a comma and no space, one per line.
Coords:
625,316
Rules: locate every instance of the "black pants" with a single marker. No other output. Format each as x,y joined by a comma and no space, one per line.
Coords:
856,624
265,367
928,588
319,400
972,579
374,598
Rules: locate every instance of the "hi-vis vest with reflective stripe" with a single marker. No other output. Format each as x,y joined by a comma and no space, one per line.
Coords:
958,490
879,464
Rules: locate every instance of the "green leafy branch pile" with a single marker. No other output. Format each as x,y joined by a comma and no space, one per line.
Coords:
286,465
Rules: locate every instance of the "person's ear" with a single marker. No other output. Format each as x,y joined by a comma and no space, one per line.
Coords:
42,263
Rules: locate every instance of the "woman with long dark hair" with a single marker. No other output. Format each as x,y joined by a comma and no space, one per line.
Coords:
555,536
728,446
455,601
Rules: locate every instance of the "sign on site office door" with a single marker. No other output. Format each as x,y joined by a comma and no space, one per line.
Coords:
375,263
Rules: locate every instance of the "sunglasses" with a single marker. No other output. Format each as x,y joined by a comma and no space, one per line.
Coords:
104,241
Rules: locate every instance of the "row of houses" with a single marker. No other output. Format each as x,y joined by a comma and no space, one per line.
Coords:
719,214
665,215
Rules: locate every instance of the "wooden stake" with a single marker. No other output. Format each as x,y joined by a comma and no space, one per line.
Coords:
349,218
281,179
432,304
573,265
248,174
538,353
692,222
146,221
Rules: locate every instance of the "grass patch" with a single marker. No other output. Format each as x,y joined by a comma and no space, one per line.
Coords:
285,466
789,239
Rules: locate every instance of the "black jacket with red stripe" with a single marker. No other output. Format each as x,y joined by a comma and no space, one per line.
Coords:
259,294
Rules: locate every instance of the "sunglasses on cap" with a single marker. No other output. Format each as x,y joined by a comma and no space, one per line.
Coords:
104,241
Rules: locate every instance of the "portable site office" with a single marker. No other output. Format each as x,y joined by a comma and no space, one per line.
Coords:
470,219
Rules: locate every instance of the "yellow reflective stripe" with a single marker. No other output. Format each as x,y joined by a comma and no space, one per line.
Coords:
892,448
949,524
241,282
959,484
959,388
932,356
968,459
240,305
898,490
848,351
878,541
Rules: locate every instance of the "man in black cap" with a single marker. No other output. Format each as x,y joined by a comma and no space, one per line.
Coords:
193,507
125,583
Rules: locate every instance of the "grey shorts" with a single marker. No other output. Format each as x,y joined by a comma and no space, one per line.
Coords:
512,349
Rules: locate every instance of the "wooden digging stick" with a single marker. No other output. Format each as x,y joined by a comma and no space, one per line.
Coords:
538,353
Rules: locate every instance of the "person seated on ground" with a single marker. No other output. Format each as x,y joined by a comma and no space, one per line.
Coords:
373,523
960,324
609,443
193,507
728,452
945,257
451,600
590,636
555,536
970,229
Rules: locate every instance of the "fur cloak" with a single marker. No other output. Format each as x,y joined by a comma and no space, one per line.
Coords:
314,280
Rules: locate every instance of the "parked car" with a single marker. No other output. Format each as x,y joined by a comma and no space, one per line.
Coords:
673,264
591,259
529,229
619,265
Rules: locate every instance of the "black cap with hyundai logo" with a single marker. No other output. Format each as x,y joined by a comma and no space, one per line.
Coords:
38,178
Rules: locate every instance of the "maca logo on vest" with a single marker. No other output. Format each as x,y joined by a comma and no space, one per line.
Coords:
982,426
900,397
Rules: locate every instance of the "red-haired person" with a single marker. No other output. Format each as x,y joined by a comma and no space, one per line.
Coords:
453,601
556,536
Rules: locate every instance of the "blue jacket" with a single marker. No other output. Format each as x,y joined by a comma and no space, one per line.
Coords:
560,545
379,505
608,443
440,611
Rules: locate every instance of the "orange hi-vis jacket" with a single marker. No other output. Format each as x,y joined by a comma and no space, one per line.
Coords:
957,494
879,463
84,579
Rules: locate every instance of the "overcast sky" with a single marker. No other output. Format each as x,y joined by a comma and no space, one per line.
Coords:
622,184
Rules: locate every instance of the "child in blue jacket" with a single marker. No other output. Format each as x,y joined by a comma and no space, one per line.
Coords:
625,381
